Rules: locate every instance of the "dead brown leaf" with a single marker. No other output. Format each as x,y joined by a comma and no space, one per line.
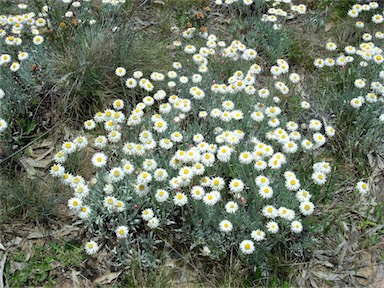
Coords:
107,278
328,27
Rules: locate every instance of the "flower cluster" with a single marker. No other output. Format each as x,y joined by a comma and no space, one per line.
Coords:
15,30
79,11
278,11
200,142
363,61
367,54
113,2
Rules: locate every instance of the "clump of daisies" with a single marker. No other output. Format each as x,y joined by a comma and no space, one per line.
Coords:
216,158
113,2
16,30
278,10
367,56
32,21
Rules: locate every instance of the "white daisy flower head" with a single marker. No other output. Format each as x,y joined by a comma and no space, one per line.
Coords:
236,186
307,208
153,223
89,124
147,214
84,212
180,199
272,227
197,192
258,235
303,195
211,198
290,147
81,191
270,212
91,247
353,13
225,226
115,175
319,139
110,202
131,83
120,72
262,180
247,247
60,157
306,144
121,232
161,195
286,213
331,46
319,178
38,40
323,167
177,137
149,164
266,192
75,203
305,105
218,183
330,131
68,147
315,125
118,104
292,184
360,83
260,165
80,142
15,66
362,187
246,157
57,170
296,226
231,207
144,177
119,206
294,78
357,102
